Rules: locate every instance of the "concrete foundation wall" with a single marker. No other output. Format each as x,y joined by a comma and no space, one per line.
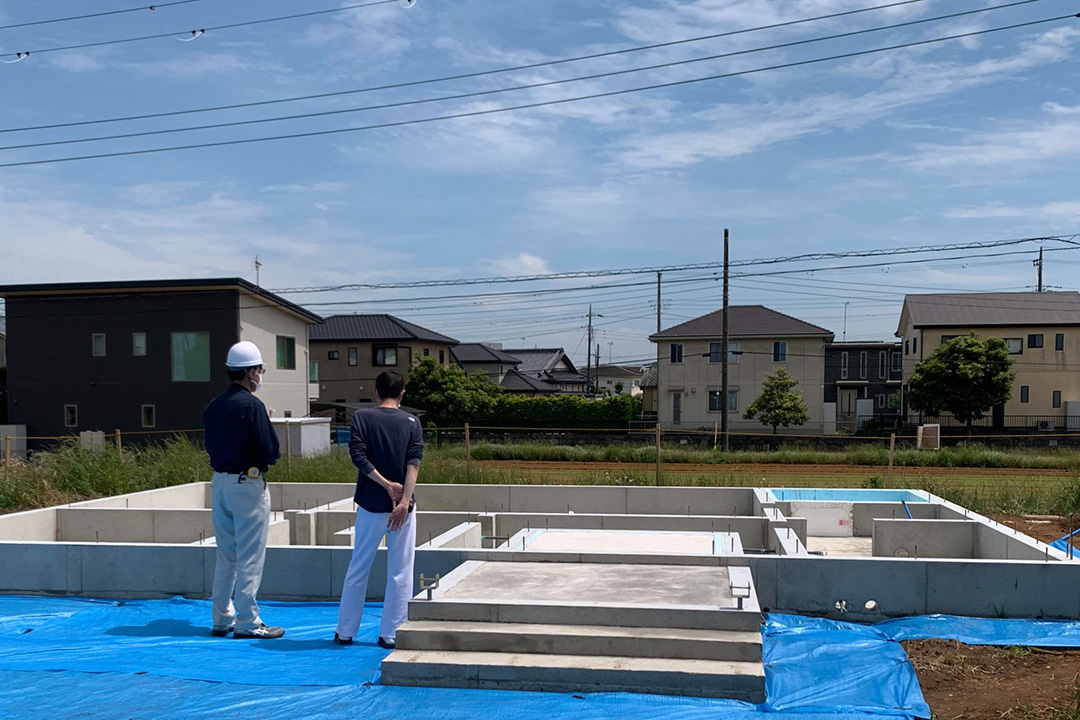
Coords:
864,514
32,525
925,538
193,495
751,530
304,496
117,525
1004,544
586,499
466,535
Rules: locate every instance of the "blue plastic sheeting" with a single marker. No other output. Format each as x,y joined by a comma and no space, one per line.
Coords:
1062,543
147,660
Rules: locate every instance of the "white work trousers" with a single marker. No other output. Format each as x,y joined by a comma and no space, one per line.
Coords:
400,551
241,520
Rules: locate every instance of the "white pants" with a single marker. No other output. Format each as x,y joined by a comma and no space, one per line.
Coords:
400,551
241,520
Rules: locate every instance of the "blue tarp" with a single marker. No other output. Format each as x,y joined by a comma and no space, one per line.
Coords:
147,660
1062,543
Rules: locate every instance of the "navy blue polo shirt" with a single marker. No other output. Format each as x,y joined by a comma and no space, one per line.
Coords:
388,440
238,432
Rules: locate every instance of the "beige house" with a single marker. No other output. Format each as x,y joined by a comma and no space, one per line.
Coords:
607,378
760,341
1042,330
351,350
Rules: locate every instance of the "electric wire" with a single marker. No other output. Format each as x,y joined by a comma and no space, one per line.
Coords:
515,88
533,105
106,13
464,76
202,31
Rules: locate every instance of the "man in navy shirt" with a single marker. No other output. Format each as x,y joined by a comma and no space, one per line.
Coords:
386,446
242,445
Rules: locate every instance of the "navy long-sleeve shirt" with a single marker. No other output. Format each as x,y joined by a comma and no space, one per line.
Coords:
388,440
238,432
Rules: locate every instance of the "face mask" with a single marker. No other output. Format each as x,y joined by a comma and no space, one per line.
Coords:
255,384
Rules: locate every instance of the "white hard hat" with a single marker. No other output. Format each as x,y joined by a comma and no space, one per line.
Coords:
244,354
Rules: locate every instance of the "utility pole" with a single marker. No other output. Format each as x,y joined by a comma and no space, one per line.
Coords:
1039,264
658,278
257,266
845,322
724,350
588,352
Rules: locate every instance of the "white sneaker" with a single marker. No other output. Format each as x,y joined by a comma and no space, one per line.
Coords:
260,632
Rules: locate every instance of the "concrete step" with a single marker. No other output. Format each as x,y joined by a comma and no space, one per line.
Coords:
700,617
575,673
581,640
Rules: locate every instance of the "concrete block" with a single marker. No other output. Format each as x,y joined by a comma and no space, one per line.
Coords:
278,533
301,527
812,585
143,570
987,588
924,538
34,567
29,526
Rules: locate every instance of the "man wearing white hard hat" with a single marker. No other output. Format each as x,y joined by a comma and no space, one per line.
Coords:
242,446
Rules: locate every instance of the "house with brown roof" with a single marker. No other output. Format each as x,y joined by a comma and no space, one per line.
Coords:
483,358
1041,330
760,341
351,350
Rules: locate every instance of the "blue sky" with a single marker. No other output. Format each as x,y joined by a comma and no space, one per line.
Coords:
969,140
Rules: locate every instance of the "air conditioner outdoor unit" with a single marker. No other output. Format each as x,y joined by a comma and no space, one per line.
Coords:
1046,425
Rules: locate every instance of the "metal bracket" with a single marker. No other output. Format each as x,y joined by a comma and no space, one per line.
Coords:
740,593
429,584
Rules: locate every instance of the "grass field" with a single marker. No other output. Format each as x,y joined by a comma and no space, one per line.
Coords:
983,479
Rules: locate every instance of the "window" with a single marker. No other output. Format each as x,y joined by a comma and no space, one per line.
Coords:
442,357
733,352
1025,393
191,357
385,356
71,416
352,357
1035,341
138,344
733,400
287,413
333,354
98,344
676,352
1015,345
313,371
843,365
905,348
1059,341
1057,398
881,402
149,416
779,351
286,353
915,346
883,365
947,338
897,362
427,352
862,365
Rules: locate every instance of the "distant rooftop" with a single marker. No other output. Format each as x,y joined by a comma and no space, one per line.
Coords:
481,353
374,327
743,321
993,309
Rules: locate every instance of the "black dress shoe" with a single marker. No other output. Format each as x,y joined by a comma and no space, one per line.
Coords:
341,640
221,631
387,643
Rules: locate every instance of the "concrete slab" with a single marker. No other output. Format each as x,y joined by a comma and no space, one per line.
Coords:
574,673
841,546
580,640
622,541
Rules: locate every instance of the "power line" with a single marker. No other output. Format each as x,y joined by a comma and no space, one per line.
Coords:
448,78
534,105
515,88
807,257
141,8
201,31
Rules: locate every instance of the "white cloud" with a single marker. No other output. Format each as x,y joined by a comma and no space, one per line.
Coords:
522,264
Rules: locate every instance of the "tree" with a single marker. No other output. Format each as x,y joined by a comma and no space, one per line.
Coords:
447,395
779,403
965,377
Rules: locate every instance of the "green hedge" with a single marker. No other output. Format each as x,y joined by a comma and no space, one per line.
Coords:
561,411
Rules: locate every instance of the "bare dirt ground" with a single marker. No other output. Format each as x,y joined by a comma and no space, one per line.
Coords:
968,682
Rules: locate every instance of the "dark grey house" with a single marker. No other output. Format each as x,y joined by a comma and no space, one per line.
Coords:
861,378
144,357
549,365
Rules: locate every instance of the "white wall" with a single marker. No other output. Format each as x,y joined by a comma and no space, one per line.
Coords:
261,323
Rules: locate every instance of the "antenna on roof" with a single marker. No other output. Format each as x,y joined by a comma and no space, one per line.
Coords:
257,266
